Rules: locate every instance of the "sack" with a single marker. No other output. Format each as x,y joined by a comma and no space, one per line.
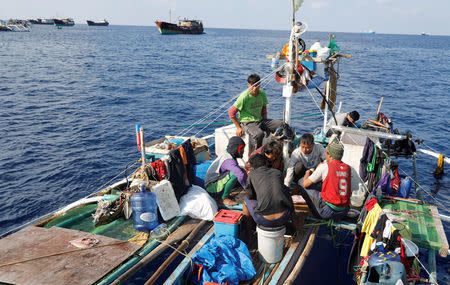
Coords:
198,204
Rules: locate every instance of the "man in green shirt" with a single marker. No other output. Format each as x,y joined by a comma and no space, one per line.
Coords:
252,108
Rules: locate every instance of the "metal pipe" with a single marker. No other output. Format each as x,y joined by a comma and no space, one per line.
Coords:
141,131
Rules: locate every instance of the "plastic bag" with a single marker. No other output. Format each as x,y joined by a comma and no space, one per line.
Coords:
224,259
198,204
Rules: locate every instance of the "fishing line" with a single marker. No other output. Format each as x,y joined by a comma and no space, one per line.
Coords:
228,102
189,128
421,188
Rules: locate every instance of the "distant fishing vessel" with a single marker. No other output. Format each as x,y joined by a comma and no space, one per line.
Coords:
424,34
99,23
64,22
185,26
41,21
14,26
368,32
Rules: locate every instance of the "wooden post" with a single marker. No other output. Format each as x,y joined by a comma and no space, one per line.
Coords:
184,244
379,106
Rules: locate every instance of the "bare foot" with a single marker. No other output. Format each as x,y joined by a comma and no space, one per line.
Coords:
229,202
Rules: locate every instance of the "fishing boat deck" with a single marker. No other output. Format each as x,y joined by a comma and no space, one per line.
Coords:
36,255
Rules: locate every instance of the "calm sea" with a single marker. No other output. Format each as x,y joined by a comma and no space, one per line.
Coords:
70,100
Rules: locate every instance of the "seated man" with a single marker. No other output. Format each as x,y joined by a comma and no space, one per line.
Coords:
343,119
267,201
252,107
224,173
307,156
273,152
334,199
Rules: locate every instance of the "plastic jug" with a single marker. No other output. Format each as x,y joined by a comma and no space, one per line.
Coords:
145,215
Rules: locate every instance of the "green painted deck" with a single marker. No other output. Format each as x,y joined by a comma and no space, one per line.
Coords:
420,221
81,219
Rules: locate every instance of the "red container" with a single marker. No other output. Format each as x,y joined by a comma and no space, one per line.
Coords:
226,222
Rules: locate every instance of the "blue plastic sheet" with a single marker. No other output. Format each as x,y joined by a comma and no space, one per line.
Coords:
224,259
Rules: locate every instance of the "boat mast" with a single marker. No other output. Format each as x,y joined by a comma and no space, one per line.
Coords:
327,96
290,77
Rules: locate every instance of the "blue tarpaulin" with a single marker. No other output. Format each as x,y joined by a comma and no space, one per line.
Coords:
223,259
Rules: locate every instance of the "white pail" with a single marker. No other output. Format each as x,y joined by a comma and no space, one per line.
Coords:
270,245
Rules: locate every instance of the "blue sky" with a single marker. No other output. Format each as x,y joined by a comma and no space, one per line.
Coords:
382,16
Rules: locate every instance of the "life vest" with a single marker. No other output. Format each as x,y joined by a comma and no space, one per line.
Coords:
336,188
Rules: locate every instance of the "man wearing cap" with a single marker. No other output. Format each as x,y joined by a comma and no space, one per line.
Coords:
334,199
343,119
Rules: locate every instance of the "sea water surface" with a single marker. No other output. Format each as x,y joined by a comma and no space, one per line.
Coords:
70,99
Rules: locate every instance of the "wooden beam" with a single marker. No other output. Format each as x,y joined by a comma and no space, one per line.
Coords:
301,261
440,230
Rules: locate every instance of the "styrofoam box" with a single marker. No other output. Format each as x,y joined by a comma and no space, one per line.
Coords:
166,200
222,136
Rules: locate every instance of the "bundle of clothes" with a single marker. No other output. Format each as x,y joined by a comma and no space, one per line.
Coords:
376,226
177,167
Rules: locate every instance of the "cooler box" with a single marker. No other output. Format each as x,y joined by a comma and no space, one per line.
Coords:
311,65
161,147
200,170
226,222
166,200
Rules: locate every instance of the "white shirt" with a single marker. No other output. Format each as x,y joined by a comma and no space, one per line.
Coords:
309,161
320,173
340,118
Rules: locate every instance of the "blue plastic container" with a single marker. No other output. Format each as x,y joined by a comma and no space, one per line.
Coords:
200,172
145,215
387,273
311,65
405,187
226,222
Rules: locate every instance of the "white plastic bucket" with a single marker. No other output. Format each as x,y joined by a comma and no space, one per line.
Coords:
270,245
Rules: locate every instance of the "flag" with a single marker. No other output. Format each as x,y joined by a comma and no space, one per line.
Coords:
297,4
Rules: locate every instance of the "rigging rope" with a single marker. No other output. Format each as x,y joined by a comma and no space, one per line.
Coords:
227,103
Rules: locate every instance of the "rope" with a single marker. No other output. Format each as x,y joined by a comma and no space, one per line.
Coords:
421,188
421,264
176,249
61,253
227,103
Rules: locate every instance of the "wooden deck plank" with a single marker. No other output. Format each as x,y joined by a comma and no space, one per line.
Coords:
36,255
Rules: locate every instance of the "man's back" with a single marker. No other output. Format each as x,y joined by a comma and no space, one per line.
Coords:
266,186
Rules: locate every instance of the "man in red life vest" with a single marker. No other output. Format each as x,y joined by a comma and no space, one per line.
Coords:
334,199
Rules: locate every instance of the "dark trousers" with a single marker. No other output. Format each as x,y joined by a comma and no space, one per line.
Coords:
257,130
260,220
318,207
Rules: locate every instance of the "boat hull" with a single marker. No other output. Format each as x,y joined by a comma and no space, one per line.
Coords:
165,28
92,23
63,23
